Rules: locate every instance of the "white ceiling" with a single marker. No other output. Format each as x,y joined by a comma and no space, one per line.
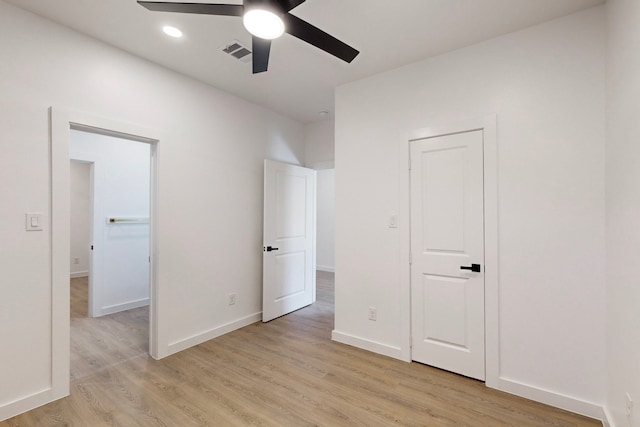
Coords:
301,78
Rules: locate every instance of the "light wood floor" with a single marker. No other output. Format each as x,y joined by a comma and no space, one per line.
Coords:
284,373
98,343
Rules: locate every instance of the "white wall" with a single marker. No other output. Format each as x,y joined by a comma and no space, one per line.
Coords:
80,196
325,242
210,188
320,155
120,276
320,144
547,86
623,209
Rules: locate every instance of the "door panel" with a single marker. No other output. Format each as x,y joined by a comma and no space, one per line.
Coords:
447,226
291,274
443,200
445,297
289,239
291,207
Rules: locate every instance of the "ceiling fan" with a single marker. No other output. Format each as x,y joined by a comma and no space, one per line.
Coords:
265,20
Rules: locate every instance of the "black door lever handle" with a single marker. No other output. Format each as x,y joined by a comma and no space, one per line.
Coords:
269,249
474,267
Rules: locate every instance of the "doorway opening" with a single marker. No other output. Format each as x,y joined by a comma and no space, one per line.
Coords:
63,122
325,223
325,252
110,241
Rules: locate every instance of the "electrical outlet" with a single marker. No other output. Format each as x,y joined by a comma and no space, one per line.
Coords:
76,260
373,313
629,405
232,299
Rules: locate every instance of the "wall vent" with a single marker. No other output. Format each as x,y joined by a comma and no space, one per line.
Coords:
237,50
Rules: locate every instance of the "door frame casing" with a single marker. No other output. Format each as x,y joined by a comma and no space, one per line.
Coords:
90,268
61,122
488,125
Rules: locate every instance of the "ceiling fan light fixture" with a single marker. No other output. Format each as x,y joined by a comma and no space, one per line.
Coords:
172,31
263,23
265,20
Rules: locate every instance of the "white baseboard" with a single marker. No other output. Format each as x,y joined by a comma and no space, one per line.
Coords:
365,344
568,403
116,308
76,274
607,418
27,403
326,268
213,333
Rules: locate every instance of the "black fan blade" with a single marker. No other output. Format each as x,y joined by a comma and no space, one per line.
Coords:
315,36
287,5
261,49
199,8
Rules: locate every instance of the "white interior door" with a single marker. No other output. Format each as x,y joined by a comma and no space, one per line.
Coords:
289,239
447,247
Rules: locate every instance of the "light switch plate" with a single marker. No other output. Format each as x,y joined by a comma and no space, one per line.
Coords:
33,221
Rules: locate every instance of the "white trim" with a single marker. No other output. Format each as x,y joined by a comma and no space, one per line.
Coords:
77,274
558,400
489,126
491,252
325,164
314,256
210,334
110,309
607,417
27,403
326,268
60,249
61,122
404,232
158,332
366,344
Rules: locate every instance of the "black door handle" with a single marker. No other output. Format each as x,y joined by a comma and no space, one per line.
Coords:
474,267
269,249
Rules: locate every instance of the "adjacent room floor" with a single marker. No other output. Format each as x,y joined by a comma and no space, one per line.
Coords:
284,373
100,343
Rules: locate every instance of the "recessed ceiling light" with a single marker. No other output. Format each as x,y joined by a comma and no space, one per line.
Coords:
172,31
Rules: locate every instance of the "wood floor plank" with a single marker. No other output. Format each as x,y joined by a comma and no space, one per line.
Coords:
287,372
